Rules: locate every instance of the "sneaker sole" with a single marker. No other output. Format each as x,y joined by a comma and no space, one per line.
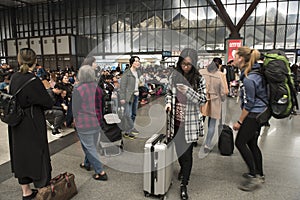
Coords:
248,189
127,137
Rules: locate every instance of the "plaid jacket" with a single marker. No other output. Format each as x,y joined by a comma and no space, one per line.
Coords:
87,106
193,118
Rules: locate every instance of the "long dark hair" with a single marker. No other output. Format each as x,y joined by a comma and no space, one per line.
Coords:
193,77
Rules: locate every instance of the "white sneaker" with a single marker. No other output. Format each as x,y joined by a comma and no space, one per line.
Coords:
58,135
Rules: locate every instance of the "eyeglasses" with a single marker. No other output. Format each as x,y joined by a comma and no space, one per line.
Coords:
186,64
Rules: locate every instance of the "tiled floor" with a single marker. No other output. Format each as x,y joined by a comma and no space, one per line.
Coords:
213,177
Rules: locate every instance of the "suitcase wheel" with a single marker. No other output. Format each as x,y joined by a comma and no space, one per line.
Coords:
147,194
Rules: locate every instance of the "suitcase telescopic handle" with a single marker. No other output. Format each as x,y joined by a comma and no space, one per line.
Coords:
158,139
168,128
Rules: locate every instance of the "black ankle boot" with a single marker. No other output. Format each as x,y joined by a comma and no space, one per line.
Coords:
33,194
183,192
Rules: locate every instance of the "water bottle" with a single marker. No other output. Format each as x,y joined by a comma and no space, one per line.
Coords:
283,99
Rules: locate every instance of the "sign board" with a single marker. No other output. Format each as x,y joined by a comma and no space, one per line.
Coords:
231,46
166,54
298,52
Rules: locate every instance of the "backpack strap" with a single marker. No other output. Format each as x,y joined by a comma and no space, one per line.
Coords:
26,83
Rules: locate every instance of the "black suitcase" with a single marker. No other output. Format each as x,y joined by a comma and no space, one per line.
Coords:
226,144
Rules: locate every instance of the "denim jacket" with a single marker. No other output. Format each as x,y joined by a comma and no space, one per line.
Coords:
253,91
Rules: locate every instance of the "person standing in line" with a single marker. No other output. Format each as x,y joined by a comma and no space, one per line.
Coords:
253,94
129,95
185,93
87,110
28,143
215,96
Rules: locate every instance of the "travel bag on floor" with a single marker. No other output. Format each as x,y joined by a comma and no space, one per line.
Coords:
226,143
158,167
62,187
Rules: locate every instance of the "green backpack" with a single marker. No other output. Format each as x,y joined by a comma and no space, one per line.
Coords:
282,92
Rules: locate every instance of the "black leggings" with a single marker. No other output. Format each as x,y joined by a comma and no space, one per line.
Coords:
184,152
246,142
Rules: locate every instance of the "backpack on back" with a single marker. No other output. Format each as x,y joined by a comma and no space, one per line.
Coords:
282,92
11,112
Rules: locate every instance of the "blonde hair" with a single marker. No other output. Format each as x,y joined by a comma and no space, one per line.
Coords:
27,59
250,57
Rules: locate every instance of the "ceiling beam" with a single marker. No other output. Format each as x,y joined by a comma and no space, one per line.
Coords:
234,33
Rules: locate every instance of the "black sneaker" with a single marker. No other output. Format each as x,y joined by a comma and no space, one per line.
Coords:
129,136
183,192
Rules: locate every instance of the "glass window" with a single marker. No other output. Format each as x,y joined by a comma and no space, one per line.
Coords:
106,24
99,24
271,13
232,13
293,12
298,39
259,37
113,23
290,36
136,40
143,41
107,43
121,42
269,35
280,35
87,25
158,40
240,12
93,25
151,38
282,12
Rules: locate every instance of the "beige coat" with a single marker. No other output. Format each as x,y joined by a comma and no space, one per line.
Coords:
216,93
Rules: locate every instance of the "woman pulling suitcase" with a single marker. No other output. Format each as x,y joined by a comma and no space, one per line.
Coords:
185,93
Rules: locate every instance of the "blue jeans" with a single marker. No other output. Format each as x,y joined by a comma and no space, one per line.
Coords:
211,131
89,140
130,111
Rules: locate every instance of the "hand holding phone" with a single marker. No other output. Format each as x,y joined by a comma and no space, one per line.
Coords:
182,88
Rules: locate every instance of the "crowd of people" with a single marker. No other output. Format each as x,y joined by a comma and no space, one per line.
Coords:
80,99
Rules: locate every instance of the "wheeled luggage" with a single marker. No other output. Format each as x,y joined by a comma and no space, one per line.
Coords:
226,144
111,143
158,164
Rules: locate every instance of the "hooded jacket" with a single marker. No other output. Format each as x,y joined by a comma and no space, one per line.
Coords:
253,91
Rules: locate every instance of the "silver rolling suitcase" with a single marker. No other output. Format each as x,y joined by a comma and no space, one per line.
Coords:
158,165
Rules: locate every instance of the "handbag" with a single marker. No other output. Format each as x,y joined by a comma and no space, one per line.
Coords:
263,117
62,187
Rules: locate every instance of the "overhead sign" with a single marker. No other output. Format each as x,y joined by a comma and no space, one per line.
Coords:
232,45
166,54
